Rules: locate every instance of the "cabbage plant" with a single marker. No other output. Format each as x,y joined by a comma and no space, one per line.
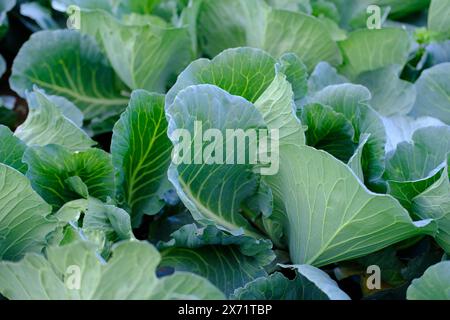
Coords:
344,183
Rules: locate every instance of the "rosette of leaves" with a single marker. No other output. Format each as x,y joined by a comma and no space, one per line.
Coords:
309,183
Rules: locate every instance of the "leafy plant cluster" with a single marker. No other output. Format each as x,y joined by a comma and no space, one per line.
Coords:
87,181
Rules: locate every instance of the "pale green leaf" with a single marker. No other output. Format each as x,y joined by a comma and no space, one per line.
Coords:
77,185
336,33
439,17
46,124
5,7
433,93
304,35
291,5
137,6
150,54
320,280
25,219
354,12
439,52
40,14
326,9
405,191
296,73
186,286
433,285
68,109
320,227
369,50
390,95
277,107
417,164
231,24
128,275
261,202
61,5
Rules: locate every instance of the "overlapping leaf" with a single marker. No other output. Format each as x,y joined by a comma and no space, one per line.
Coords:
244,72
133,262
151,54
434,203
401,129
352,101
256,76
320,227
415,161
323,76
249,73
90,218
237,23
415,166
